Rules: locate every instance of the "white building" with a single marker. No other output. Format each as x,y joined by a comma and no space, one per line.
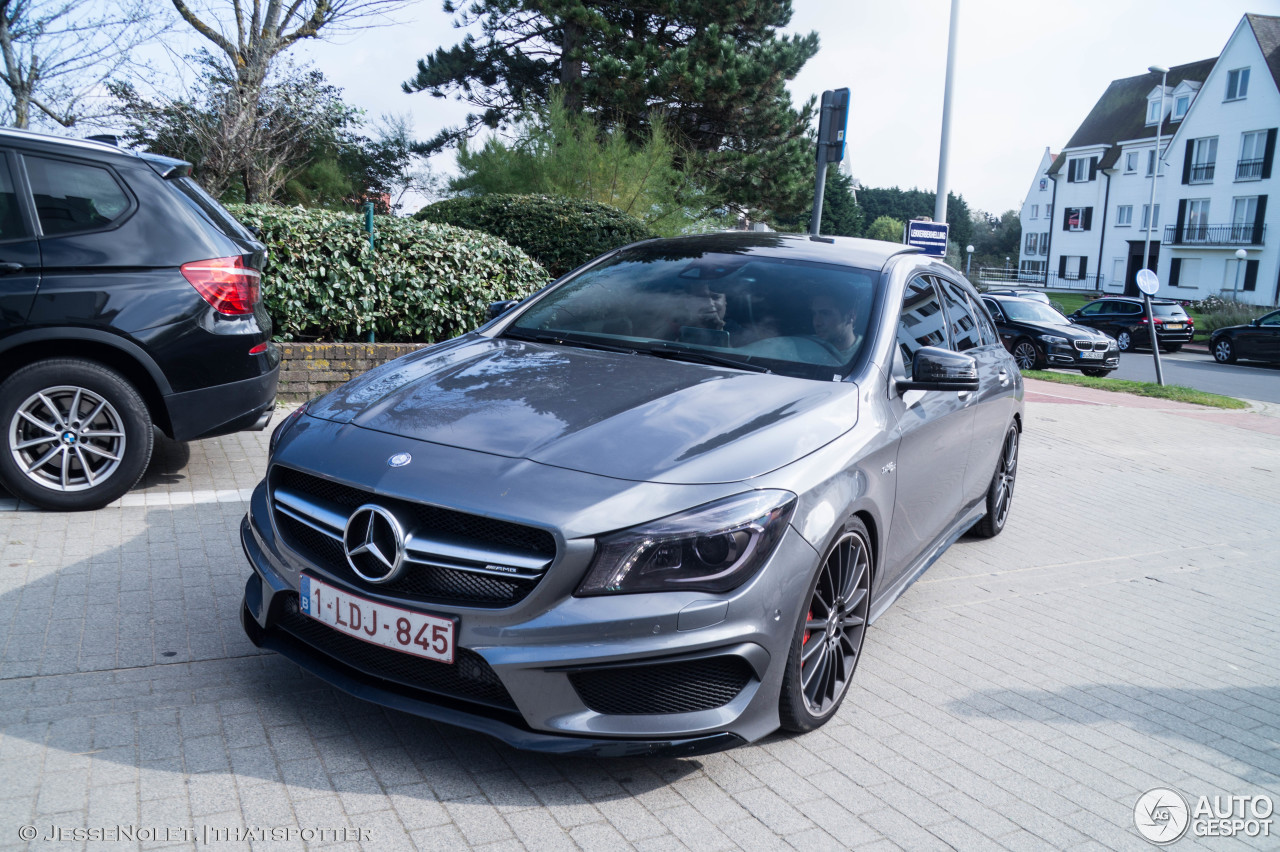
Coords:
1217,139
1036,213
1221,172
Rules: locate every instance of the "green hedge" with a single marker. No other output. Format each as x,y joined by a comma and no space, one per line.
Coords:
424,282
559,233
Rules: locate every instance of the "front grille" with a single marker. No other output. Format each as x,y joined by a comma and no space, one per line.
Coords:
680,687
435,580
468,678
1095,345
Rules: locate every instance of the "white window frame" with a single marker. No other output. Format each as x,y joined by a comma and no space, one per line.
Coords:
1244,213
1151,162
1131,162
1252,154
1032,241
1195,227
1237,84
1035,211
1185,102
1204,155
1146,213
1079,219
1079,169
1124,216
1153,111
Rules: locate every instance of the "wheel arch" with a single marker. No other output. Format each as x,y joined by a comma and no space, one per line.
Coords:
109,350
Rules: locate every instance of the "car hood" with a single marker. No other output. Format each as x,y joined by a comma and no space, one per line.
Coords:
1071,332
629,416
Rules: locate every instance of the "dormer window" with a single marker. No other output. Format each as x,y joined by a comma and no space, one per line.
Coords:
1153,111
1237,84
1181,104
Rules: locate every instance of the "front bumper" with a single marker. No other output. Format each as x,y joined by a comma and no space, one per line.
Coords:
522,672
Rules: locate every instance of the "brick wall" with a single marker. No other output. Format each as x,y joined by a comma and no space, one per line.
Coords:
310,369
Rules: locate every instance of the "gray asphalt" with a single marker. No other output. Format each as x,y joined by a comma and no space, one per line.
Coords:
1197,369
1119,636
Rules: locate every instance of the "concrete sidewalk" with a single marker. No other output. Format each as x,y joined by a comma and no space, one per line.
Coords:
1121,635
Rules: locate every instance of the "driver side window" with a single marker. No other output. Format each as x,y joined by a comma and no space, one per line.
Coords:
922,322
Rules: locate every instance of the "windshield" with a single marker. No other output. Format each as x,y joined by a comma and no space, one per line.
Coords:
783,315
1033,312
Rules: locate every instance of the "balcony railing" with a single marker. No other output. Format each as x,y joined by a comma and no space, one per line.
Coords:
1202,172
1245,233
1246,169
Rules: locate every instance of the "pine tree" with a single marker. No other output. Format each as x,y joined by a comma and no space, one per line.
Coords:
715,70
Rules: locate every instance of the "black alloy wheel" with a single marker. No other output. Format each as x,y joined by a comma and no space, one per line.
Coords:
1000,492
1223,351
828,639
1025,355
76,434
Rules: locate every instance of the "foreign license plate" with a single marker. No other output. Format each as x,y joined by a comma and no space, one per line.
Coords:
1092,354
402,630
1173,326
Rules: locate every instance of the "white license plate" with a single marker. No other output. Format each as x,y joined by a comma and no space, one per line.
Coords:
1092,354
414,633
1173,326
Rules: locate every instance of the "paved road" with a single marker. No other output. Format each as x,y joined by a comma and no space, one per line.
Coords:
1120,635
1197,369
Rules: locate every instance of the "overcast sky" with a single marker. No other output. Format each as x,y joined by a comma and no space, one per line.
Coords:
1027,73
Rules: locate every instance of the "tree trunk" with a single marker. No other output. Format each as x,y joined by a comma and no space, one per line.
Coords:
571,67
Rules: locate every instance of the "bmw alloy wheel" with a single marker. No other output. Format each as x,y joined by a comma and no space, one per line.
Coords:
67,438
1025,355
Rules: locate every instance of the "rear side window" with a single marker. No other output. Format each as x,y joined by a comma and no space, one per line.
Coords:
72,197
11,224
211,209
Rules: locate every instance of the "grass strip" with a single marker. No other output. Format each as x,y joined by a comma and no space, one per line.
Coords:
1178,393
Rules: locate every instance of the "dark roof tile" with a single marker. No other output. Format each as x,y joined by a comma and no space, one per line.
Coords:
1266,29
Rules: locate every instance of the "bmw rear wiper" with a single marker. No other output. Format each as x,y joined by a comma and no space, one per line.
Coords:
562,340
701,358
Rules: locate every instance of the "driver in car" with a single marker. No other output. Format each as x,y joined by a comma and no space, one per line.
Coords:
834,314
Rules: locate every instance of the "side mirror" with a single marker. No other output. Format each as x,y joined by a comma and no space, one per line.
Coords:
497,309
941,370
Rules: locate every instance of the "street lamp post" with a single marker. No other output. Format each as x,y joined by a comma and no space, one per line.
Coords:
1151,223
969,261
1241,254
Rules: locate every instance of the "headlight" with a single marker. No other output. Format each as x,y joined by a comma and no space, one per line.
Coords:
285,425
713,548
1053,340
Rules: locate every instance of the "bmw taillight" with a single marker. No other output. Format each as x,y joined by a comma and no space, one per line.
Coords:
226,283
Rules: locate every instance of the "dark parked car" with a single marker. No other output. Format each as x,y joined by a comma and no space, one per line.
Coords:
1125,319
128,297
1034,295
1039,336
1258,341
651,509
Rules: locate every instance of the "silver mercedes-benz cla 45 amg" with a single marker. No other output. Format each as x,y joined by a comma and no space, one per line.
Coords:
652,508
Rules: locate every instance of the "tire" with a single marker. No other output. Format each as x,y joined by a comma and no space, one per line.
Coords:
1224,351
1026,355
1124,340
1172,347
1000,492
825,652
1095,372
76,434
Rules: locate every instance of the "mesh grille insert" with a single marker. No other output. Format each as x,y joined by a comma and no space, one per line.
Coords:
681,687
469,678
421,583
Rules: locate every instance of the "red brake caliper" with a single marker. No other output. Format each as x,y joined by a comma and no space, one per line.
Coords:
807,632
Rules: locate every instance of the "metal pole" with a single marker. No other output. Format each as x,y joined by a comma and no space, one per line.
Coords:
1151,223
969,262
940,200
818,192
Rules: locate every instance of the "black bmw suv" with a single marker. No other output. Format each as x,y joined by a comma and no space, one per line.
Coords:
128,298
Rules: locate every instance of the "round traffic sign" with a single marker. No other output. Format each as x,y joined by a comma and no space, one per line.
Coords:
1148,282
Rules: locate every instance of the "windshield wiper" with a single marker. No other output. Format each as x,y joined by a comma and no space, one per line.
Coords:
700,358
562,340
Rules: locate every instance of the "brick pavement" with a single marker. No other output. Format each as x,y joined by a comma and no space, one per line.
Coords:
1120,635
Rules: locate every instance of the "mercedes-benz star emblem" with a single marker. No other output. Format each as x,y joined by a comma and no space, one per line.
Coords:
374,544
399,460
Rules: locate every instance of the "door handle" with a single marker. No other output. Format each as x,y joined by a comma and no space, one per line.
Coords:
6,268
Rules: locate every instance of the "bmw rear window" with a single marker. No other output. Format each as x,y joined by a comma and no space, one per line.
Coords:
211,209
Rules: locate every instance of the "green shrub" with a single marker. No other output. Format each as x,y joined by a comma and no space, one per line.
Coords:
423,283
559,233
1216,312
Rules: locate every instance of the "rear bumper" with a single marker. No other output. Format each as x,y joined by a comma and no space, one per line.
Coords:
223,409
